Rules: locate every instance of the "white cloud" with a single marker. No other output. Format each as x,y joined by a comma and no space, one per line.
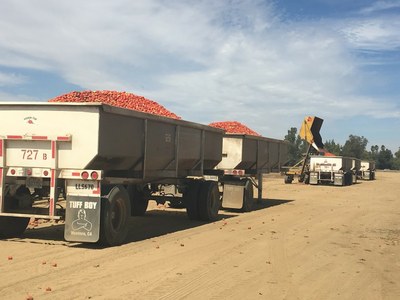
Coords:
373,34
379,6
10,79
205,60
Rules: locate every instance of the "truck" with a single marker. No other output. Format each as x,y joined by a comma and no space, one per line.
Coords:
94,165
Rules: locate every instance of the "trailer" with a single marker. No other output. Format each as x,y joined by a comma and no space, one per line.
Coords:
95,165
336,170
367,170
245,158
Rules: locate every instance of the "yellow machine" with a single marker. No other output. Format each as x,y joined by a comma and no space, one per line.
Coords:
309,132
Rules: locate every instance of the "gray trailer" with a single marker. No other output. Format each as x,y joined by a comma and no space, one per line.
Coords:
245,158
105,161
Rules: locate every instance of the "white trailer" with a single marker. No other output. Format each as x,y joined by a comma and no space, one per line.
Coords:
334,170
106,162
367,170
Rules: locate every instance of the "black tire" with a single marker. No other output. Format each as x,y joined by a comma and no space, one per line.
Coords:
139,200
191,199
307,178
15,226
288,179
12,226
301,178
248,197
209,201
115,213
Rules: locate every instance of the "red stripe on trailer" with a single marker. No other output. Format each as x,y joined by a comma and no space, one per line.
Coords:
52,191
39,137
14,137
51,207
53,149
63,138
97,190
1,189
52,178
1,148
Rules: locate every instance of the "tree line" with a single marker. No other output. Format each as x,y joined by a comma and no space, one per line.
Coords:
355,146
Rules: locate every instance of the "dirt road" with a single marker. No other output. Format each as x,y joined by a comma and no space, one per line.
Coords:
302,242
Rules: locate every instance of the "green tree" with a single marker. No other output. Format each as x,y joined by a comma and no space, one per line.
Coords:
384,159
396,160
355,146
373,155
296,146
332,147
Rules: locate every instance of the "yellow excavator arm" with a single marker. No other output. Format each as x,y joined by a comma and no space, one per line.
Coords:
309,131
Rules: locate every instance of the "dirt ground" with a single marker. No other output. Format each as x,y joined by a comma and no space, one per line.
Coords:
301,242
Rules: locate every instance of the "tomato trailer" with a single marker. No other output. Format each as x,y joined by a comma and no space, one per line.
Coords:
245,158
336,170
95,165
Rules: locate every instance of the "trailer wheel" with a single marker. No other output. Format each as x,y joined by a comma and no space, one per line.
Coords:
288,179
115,213
12,226
15,226
248,197
139,200
191,199
209,201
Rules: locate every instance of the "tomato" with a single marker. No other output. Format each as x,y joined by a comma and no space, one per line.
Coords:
234,127
119,99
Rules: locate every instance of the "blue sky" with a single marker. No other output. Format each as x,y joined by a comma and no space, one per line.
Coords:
267,64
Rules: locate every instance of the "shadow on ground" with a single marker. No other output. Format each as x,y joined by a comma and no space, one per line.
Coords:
155,223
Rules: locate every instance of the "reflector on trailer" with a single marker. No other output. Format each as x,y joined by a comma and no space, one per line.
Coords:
94,175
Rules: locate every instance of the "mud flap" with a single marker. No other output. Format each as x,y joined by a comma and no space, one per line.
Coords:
233,196
82,219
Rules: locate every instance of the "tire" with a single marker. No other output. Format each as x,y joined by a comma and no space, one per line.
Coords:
12,226
209,201
15,226
307,178
301,178
248,197
191,200
139,200
115,213
288,179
